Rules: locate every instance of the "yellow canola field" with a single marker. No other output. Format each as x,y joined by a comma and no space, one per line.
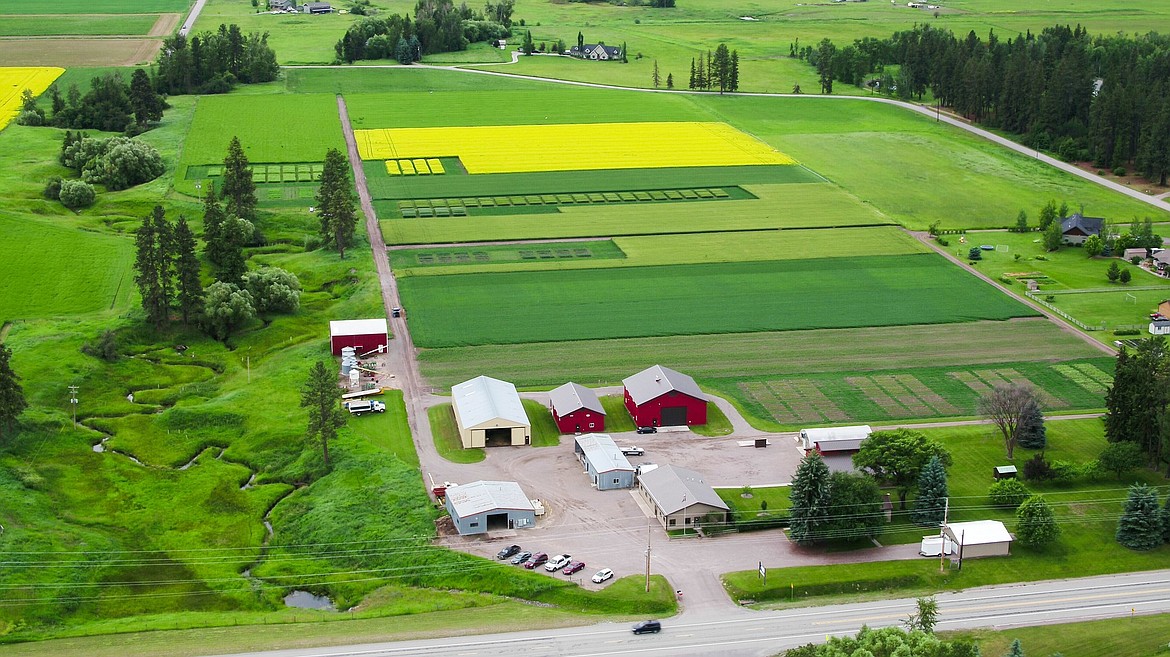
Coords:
573,147
14,80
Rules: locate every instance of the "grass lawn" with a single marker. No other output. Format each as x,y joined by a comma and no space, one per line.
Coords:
717,423
97,7
544,430
390,430
77,25
463,309
445,431
1137,636
617,418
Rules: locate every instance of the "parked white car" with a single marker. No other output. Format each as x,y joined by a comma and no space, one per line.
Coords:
602,575
558,562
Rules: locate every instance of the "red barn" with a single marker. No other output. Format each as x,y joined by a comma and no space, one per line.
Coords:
361,334
576,409
659,396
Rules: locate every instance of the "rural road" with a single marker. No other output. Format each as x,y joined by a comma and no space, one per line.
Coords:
192,17
769,632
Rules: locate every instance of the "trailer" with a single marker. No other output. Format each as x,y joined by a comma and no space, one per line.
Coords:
372,392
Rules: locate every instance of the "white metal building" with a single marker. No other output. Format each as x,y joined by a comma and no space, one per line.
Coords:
980,538
484,506
834,439
488,412
604,462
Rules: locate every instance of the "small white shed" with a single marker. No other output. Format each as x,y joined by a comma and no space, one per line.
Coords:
980,538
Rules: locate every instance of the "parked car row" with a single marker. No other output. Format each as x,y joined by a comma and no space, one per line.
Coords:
562,562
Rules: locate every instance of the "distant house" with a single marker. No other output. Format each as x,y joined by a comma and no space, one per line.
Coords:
576,409
1160,326
279,5
1161,260
596,51
316,8
661,397
1077,228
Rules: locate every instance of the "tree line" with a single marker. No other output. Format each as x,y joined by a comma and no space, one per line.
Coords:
1104,98
719,71
110,105
214,62
436,26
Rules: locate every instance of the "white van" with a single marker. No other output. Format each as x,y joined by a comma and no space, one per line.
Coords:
361,406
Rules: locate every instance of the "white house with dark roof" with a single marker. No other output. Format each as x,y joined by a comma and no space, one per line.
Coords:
484,506
576,409
489,412
596,51
607,467
681,499
1077,228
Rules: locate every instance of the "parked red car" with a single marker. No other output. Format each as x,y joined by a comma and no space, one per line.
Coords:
574,567
535,560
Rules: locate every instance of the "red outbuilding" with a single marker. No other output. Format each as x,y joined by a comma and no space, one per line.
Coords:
576,409
361,334
661,397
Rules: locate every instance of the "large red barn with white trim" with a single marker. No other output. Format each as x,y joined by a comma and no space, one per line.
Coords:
661,397
361,334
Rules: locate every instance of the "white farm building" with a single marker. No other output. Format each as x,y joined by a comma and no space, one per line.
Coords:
488,412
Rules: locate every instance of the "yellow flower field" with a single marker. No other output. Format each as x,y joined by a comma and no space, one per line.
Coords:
573,147
13,82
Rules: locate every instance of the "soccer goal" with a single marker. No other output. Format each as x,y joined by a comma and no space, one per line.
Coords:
1002,248
1130,298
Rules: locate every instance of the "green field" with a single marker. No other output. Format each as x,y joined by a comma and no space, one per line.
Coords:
1137,636
95,7
594,304
272,129
76,25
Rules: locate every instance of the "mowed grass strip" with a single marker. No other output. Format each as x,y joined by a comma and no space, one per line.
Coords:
679,249
510,149
765,355
519,307
795,205
81,25
15,79
29,7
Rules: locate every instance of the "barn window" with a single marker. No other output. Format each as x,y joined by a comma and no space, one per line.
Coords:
474,524
670,522
590,425
615,481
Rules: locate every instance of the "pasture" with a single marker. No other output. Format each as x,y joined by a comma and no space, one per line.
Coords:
739,297
13,82
524,148
34,7
77,24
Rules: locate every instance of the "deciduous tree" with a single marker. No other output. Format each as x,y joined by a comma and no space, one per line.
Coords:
1053,237
1036,523
225,307
1006,406
12,402
1136,403
322,396
1022,222
273,290
809,495
898,457
925,616
1140,525
855,507
335,203
1120,458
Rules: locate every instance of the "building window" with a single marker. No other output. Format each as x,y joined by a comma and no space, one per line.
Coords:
670,522
474,524
615,481
590,425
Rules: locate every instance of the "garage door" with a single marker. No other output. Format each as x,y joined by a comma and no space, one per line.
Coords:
674,416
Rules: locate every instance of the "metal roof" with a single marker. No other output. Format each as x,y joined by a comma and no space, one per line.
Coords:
653,382
480,496
357,326
979,532
835,439
484,399
601,451
673,489
572,397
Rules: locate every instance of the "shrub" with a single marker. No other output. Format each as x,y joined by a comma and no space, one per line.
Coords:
31,118
1064,472
1037,468
942,241
105,349
1119,171
76,194
975,253
53,189
1127,332
1008,493
116,162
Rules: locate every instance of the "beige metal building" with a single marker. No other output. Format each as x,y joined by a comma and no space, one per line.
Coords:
680,498
489,413
981,538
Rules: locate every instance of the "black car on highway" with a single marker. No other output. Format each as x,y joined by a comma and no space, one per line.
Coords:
648,627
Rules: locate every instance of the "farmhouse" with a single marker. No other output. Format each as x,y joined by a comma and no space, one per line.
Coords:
361,334
483,506
1077,228
1161,260
1160,326
596,51
660,396
981,538
680,498
488,413
576,409
279,5
316,8
604,462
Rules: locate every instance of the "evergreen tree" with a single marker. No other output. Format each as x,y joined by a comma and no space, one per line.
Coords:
709,73
239,190
213,218
1036,523
322,396
234,264
1032,432
189,287
148,105
335,204
1137,402
149,264
528,47
1022,222
625,58
733,85
1140,526
670,80
165,243
1125,276
654,76
1047,215
722,67
810,497
691,84
1114,272
12,402
1165,515
1016,649
1053,236
930,505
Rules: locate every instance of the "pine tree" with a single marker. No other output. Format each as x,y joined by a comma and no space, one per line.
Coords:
322,396
930,505
709,74
1036,523
189,287
722,67
733,85
12,402
148,105
213,217
164,243
1032,432
1016,649
1140,526
654,77
335,203
690,85
810,497
1166,521
239,190
670,80
147,273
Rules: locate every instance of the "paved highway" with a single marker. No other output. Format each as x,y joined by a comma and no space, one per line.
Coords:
766,633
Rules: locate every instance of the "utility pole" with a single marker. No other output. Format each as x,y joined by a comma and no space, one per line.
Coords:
73,400
647,555
942,555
